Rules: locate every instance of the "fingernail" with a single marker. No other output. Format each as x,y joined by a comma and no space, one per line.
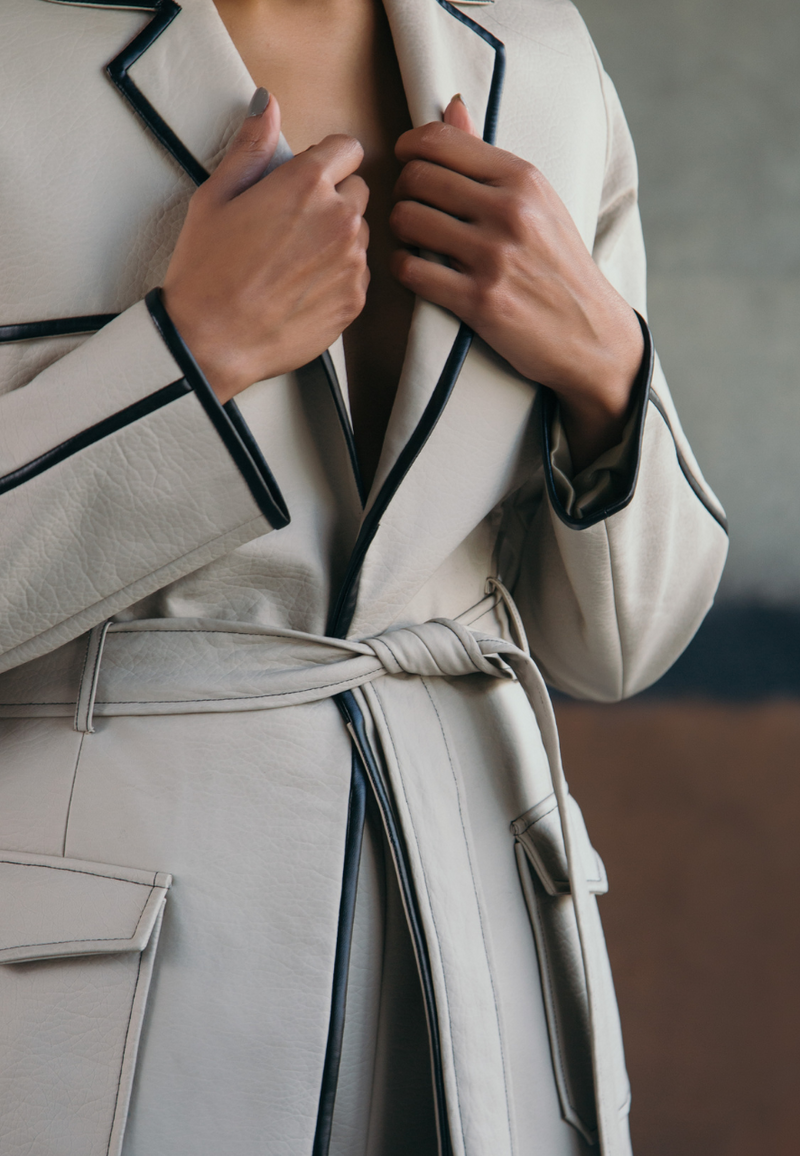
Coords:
458,96
259,102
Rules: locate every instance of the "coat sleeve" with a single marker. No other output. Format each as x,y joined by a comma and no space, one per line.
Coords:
612,589
119,472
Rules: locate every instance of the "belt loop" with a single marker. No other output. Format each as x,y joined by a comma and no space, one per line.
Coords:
87,690
514,617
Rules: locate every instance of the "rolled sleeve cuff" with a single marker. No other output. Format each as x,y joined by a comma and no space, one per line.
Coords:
608,484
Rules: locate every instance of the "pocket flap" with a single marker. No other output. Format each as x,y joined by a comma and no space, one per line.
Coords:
539,832
51,907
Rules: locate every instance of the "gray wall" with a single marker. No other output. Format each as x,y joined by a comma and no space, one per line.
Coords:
711,89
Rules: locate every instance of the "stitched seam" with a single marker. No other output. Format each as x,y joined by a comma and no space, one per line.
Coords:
78,871
88,938
80,684
424,682
69,804
425,877
124,1050
533,822
529,826
621,687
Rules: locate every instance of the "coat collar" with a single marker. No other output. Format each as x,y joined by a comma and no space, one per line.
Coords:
185,79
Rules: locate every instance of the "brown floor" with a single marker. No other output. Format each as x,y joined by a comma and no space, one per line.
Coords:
695,809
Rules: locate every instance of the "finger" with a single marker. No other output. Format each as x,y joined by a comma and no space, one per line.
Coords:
453,149
457,115
250,151
442,188
355,192
434,282
427,228
338,155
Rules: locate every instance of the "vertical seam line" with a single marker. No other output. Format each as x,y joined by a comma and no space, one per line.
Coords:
433,917
125,1049
71,795
424,682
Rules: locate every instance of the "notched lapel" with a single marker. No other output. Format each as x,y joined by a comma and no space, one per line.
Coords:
186,81
440,52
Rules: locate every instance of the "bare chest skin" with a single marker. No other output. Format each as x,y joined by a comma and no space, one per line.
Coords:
332,66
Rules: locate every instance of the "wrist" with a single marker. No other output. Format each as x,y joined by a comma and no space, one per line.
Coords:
221,365
594,410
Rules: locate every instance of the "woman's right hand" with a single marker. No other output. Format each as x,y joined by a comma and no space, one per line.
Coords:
266,274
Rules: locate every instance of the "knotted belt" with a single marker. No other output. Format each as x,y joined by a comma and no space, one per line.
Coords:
172,666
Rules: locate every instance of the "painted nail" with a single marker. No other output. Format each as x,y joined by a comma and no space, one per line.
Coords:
259,102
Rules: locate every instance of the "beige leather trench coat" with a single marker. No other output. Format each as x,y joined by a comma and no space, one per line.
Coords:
219,656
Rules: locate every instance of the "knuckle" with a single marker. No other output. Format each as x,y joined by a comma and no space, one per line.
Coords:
414,172
313,171
430,134
247,143
347,224
528,176
486,296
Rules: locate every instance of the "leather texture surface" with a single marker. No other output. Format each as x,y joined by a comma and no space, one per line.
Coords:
76,958
209,746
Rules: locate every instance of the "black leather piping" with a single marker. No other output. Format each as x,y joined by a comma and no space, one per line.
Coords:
165,13
366,757
338,625
715,513
498,75
344,420
344,608
94,433
226,419
354,839
135,6
640,392
58,327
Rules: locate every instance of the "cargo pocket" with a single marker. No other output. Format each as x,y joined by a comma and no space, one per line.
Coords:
542,863
77,942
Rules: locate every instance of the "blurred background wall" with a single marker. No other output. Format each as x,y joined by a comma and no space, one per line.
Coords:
692,790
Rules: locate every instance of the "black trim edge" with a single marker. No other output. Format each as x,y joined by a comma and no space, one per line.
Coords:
344,420
354,839
133,6
498,75
352,715
716,514
95,433
58,327
344,607
227,420
117,70
641,393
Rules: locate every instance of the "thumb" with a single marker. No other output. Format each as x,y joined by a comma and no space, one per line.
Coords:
250,151
457,115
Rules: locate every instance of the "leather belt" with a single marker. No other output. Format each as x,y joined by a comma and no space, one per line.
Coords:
173,666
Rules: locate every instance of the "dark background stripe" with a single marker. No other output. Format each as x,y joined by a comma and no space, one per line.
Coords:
742,653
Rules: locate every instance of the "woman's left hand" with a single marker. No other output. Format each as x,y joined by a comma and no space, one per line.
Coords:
519,274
